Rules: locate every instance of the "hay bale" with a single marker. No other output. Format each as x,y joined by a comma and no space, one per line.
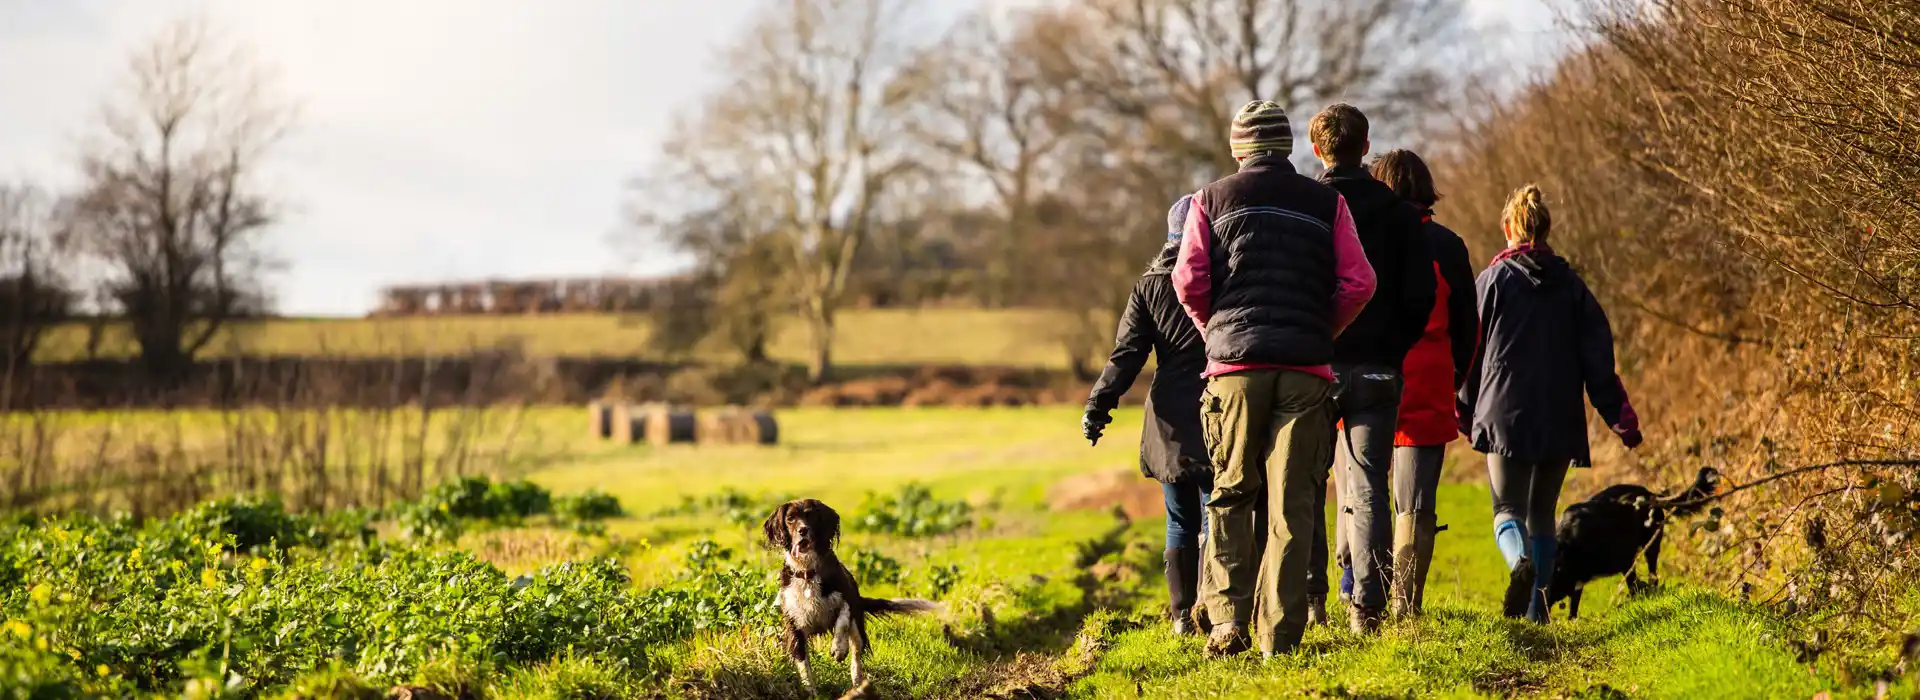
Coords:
737,426
765,430
627,424
600,416
715,427
666,426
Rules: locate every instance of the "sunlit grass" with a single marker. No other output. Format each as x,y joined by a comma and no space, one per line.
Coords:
1025,567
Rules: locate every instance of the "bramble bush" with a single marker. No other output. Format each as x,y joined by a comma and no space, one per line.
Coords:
734,505
912,512
587,506
873,567
445,511
239,597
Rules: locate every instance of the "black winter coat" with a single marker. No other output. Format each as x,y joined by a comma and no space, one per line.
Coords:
1172,446
1391,232
1451,259
1543,338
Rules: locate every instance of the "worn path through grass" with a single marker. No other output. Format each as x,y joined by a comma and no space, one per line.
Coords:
1070,604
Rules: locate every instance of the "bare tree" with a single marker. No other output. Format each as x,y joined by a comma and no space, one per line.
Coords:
1171,72
172,211
33,293
989,108
807,127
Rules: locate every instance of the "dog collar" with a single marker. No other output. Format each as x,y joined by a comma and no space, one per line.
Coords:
806,574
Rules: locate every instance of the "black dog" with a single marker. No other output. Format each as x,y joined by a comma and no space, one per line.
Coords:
817,593
1602,535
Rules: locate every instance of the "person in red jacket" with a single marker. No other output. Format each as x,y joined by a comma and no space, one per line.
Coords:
1433,371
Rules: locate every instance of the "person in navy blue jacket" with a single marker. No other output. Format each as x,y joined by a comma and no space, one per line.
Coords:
1543,339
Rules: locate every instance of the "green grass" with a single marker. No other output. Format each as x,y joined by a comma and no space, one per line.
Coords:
1074,598
1013,338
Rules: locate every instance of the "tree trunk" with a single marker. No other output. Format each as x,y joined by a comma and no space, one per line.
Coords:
820,369
160,350
755,350
1077,364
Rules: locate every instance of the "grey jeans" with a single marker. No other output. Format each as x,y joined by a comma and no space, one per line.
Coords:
1367,398
1416,477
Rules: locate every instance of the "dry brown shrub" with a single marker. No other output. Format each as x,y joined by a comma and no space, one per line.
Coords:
1739,180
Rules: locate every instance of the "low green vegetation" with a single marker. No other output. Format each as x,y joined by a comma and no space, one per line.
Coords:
240,598
912,512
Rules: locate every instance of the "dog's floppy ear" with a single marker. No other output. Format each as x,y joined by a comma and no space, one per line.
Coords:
776,527
829,522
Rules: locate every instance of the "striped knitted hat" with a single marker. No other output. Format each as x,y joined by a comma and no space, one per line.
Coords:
1261,126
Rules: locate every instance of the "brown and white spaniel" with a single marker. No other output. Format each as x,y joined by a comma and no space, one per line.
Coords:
817,593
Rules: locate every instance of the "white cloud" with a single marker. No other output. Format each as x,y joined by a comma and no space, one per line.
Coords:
437,137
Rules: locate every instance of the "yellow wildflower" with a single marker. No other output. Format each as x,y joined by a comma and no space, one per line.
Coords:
40,594
19,629
102,670
208,578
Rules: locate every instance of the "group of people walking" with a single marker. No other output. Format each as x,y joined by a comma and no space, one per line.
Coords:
1307,328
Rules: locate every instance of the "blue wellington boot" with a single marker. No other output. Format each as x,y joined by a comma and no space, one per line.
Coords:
1545,550
1511,536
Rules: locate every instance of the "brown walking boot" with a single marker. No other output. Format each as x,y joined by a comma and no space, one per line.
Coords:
1227,639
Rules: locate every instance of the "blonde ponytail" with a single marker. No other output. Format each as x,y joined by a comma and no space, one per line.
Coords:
1526,218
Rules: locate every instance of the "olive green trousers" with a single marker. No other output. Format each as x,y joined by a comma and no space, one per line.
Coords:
1270,433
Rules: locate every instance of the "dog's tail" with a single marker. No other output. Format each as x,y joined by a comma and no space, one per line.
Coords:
881,607
1697,495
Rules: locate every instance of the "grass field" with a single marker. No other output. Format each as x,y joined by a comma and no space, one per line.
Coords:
1074,599
1013,338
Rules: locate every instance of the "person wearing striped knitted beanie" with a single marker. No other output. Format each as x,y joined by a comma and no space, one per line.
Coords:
1269,313
1261,127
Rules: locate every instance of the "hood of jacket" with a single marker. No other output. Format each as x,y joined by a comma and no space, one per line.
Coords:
1162,263
1537,264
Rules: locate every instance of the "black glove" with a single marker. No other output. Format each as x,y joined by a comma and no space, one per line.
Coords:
1093,423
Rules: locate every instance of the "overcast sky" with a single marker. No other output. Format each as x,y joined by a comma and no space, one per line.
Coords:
437,138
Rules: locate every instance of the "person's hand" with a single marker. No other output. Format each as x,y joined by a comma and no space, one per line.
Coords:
1631,438
1093,423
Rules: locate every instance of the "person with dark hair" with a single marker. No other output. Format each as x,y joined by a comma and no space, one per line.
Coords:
1271,271
1433,370
1172,448
1367,359
1542,338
